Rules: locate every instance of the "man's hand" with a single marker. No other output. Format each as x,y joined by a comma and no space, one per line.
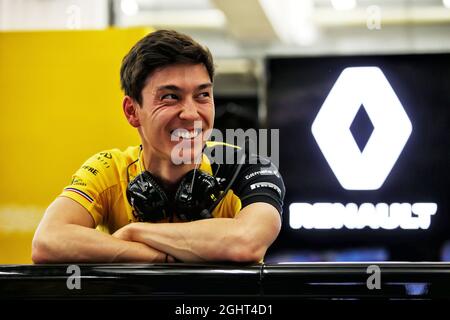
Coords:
126,233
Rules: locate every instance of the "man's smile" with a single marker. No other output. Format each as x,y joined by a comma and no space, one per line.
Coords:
185,134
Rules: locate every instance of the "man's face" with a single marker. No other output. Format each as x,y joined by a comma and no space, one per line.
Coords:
177,108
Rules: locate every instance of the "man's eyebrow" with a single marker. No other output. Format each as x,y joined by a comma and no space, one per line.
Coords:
169,87
204,86
176,88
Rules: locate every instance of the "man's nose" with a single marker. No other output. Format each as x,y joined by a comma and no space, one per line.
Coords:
189,111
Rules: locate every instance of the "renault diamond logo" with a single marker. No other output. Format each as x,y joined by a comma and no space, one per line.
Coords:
369,168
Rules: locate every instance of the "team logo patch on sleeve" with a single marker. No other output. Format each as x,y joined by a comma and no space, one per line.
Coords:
266,185
81,193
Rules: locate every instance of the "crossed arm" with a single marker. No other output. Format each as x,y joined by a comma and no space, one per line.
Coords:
67,234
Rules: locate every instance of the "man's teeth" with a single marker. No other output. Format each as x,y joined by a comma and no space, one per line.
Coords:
184,134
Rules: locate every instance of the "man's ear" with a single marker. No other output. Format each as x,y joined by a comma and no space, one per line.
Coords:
130,106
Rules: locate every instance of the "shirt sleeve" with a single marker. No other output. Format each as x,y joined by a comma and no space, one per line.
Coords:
259,180
89,183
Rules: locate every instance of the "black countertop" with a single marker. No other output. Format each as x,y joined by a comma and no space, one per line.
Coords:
405,281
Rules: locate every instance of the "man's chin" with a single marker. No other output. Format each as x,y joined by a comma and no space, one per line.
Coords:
187,159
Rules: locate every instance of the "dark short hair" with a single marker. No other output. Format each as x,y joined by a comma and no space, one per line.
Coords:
158,49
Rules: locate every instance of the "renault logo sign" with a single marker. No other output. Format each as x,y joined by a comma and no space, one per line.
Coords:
369,88
366,169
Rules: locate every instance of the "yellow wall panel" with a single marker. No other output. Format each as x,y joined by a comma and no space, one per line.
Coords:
60,102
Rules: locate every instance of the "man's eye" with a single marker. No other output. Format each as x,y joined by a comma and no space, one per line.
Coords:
204,95
169,96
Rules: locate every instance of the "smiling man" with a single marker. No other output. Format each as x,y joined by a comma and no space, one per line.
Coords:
144,205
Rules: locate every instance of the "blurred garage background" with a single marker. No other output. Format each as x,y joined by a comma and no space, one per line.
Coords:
59,75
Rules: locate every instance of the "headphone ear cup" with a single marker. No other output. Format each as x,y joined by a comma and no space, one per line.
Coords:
196,204
148,198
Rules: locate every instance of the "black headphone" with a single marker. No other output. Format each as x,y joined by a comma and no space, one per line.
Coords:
196,197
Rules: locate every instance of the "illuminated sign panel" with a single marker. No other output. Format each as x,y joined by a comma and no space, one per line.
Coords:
364,153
